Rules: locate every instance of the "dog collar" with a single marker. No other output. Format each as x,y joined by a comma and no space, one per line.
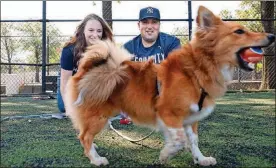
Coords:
202,97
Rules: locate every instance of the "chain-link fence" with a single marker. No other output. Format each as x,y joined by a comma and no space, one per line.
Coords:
30,52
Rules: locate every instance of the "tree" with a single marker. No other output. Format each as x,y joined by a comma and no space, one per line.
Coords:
181,32
250,9
226,14
264,10
107,11
54,46
9,44
33,43
268,80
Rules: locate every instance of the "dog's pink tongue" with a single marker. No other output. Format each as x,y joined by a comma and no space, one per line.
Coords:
252,55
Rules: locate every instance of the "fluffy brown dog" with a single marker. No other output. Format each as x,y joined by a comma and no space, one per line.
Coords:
191,78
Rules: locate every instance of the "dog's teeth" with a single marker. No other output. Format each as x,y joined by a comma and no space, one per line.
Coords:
251,65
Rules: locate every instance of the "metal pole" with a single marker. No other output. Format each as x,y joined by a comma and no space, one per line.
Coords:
190,19
48,55
44,47
239,75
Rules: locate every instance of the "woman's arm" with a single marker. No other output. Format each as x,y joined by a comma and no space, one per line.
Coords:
64,77
66,64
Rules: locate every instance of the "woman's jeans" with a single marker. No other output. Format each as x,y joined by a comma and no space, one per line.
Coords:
59,97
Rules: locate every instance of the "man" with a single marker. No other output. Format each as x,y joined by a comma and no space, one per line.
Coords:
151,43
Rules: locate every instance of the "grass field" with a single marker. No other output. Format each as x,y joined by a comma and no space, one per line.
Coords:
240,133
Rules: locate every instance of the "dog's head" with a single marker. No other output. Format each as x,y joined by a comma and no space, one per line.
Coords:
226,41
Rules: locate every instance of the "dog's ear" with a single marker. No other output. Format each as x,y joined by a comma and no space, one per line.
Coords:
206,18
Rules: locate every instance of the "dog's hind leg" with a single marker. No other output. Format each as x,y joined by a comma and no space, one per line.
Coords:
193,144
174,141
86,137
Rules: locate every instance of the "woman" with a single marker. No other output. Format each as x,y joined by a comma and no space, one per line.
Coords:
91,29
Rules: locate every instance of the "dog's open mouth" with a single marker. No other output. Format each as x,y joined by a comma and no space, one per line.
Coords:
249,56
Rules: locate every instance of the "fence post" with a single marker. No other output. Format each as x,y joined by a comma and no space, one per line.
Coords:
43,76
190,19
239,75
48,56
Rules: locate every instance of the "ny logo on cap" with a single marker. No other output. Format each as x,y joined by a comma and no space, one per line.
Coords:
149,10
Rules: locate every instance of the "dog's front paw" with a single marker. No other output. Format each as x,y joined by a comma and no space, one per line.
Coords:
163,158
100,161
165,155
207,161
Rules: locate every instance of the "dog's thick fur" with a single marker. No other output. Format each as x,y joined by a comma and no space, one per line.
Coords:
107,82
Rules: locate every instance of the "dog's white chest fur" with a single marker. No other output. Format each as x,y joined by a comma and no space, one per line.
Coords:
227,72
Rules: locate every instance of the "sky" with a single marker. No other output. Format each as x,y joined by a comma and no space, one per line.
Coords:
121,10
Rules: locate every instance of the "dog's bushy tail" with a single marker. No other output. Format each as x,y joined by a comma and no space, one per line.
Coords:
101,73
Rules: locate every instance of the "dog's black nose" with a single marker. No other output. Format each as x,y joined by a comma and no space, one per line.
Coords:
271,38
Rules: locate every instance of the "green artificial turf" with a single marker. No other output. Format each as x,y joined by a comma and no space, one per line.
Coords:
239,133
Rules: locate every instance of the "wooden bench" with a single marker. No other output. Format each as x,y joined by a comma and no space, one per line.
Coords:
51,83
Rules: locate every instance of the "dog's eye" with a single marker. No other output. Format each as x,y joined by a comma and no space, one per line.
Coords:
239,31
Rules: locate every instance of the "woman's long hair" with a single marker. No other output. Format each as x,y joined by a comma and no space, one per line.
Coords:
79,39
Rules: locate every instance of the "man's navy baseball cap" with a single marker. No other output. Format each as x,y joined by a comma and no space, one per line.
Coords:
149,12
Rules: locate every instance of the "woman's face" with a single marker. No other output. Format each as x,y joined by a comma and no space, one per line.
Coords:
93,31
